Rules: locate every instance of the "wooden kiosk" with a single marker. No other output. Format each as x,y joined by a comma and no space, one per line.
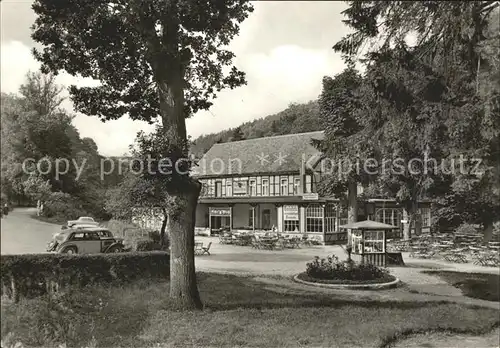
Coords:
368,240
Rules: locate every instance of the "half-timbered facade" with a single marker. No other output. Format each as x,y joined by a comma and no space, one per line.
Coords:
262,183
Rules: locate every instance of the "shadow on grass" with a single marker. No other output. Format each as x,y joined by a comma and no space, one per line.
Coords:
391,340
141,314
221,292
475,285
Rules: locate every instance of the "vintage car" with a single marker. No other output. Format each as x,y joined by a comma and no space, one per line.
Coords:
84,220
85,241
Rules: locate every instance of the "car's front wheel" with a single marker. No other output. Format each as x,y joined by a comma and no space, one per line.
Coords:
115,249
70,251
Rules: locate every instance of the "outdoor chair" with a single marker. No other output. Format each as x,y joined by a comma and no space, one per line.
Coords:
201,250
487,259
255,242
198,247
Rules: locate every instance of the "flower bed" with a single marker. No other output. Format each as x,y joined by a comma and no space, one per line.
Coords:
332,271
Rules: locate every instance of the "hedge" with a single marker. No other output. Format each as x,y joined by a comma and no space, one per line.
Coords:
36,274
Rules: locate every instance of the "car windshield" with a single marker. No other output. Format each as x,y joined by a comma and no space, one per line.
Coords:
60,237
86,219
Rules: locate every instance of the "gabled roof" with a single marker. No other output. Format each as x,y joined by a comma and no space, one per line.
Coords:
261,155
368,225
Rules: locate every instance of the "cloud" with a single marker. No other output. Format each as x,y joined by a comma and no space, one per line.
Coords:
287,74
112,137
283,65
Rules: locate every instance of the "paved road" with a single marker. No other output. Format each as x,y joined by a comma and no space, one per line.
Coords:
21,234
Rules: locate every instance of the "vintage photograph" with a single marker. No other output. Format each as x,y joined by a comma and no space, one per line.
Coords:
234,173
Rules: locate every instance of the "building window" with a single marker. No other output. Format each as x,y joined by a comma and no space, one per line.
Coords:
259,186
308,187
265,187
211,187
356,242
253,187
330,218
390,216
374,241
314,218
291,218
296,186
251,217
218,189
229,187
426,217
276,186
291,225
284,187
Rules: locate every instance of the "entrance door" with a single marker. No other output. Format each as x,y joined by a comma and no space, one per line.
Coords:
218,189
266,219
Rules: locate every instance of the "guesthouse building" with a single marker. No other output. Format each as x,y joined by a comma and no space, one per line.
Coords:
272,182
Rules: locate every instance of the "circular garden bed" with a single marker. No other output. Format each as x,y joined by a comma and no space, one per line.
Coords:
387,278
330,272
385,282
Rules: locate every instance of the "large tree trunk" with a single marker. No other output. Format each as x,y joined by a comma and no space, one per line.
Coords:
163,240
488,231
352,206
352,202
169,68
181,222
407,225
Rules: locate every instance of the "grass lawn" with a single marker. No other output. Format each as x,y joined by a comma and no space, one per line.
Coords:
475,285
239,312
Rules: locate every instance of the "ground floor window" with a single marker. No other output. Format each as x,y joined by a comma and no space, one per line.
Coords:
330,218
251,217
390,216
291,226
291,221
314,218
426,216
356,242
374,241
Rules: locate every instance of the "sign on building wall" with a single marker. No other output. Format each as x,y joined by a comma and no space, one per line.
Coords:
310,196
291,212
220,211
239,187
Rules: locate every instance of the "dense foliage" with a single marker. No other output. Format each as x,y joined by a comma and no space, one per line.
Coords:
296,118
434,101
35,274
36,130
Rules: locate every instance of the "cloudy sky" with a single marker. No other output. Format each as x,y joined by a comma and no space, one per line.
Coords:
284,47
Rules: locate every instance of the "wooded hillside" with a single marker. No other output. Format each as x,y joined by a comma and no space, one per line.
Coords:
297,118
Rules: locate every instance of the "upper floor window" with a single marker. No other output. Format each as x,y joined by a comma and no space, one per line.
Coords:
265,187
296,186
253,187
284,187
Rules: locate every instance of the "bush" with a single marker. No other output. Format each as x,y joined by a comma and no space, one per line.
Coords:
466,229
333,269
62,206
147,245
154,236
35,274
